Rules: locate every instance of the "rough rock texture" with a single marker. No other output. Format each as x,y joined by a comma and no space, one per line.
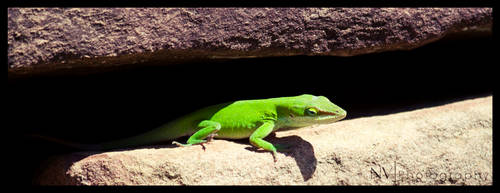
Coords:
448,144
49,39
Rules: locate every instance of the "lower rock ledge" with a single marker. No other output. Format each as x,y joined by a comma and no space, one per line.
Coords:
448,144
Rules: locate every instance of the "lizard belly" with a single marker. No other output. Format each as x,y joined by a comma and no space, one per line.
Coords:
235,132
240,119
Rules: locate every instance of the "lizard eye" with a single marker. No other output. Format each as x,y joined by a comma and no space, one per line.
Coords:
311,111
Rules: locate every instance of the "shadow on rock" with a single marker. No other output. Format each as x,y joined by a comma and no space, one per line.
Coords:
301,150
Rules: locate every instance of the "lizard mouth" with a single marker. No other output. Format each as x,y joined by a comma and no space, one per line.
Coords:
327,113
332,116
336,114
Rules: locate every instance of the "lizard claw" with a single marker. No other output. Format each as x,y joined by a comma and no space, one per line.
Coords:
211,137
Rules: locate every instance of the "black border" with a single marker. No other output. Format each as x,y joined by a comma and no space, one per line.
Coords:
259,3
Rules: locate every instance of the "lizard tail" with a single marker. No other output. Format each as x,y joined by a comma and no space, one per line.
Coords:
67,143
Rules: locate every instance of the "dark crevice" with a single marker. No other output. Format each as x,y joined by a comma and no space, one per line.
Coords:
125,102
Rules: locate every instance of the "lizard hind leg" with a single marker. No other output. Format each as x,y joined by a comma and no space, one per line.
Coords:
207,130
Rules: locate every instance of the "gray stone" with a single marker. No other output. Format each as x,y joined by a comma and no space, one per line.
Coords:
71,39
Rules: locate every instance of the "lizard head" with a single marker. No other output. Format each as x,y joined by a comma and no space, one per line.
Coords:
305,110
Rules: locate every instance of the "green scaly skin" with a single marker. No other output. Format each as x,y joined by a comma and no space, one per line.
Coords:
253,119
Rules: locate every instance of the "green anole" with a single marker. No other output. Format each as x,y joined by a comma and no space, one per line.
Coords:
253,119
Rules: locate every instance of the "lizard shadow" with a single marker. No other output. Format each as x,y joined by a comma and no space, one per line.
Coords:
299,149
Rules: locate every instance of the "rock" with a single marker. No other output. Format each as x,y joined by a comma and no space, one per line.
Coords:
449,144
85,39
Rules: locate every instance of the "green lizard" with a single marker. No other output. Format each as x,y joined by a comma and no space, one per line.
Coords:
253,119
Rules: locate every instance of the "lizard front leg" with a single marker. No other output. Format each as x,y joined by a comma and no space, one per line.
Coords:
256,139
208,130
